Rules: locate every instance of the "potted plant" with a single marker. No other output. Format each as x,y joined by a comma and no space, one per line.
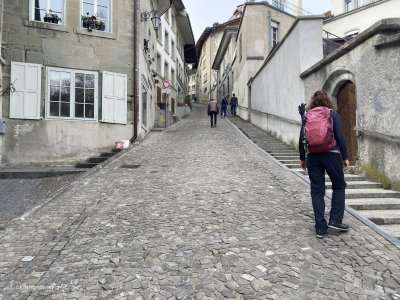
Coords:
51,17
91,22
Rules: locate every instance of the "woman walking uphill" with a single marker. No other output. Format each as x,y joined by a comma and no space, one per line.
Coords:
330,156
212,111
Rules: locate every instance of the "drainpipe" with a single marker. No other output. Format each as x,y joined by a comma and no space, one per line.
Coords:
135,71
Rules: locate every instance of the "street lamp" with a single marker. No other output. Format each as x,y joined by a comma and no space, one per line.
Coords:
155,20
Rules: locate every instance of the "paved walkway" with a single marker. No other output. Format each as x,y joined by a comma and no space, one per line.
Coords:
192,212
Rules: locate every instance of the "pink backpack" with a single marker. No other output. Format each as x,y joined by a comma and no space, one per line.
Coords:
319,130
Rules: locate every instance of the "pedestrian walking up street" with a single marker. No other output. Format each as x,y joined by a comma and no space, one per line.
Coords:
224,106
212,111
326,153
233,103
190,213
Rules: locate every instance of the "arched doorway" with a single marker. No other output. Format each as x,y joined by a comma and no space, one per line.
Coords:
347,107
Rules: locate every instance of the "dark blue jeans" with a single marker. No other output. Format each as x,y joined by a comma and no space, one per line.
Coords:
213,117
233,110
223,111
317,164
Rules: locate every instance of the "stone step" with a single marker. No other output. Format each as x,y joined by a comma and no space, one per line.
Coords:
371,193
373,203
85,165
393,229
36,172
280,151
287,157
98,159
359,185
381,217
347,176
107,154
293,165
290,161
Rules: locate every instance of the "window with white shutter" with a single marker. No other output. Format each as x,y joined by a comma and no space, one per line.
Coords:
114,97
25,100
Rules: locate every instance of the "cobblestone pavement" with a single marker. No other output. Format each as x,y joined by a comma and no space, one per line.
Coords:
19,195
192,212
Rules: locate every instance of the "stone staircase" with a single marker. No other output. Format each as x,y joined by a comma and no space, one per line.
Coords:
367,198
95,160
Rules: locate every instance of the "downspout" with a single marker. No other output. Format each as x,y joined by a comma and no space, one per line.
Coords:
135,72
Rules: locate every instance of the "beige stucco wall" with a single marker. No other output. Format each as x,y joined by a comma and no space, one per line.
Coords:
254,44
277,89
206,77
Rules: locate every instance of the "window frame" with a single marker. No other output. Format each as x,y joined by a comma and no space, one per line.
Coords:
72,94
83,13
274,33
32,12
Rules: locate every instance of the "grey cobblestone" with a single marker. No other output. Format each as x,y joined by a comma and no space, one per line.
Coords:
206,215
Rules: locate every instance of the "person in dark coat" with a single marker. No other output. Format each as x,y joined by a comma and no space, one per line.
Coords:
333,162
234,103
224,105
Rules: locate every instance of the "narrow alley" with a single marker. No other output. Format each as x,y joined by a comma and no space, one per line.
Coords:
191,212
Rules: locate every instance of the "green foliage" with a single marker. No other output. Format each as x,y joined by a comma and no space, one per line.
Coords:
373,172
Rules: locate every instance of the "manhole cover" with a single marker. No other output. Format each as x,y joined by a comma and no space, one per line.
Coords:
130,166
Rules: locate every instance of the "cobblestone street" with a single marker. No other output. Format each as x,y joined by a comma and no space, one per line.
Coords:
191,212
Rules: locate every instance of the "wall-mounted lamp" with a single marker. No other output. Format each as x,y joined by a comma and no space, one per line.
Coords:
155,20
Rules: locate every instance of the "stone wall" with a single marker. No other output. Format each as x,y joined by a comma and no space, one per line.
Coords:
372,62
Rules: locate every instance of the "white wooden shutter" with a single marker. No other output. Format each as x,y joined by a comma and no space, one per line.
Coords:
25,100
114,102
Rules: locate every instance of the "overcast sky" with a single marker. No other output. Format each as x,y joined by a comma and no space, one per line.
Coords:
204,13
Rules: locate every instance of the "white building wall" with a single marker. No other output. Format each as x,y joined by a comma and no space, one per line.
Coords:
274,105
360,19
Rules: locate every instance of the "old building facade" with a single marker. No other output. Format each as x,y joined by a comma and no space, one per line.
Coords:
207,47
77,76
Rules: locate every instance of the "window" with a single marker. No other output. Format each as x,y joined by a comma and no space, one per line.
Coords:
43,8
240,47
25,100
173,76
158,63
166,41
71,94
280,4
144,106
98,8
166,71
274,33
348,5
172,49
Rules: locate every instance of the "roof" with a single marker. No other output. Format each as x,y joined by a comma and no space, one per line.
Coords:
206,33
230,32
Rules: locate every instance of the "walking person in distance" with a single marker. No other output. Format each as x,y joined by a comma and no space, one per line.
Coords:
224,105
212,110
320,153
234,103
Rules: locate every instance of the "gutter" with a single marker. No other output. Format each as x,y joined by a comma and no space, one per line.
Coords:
135,72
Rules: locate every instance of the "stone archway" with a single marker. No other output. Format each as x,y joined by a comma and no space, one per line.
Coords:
341,86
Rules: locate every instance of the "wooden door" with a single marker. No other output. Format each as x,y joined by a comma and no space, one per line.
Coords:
347,107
